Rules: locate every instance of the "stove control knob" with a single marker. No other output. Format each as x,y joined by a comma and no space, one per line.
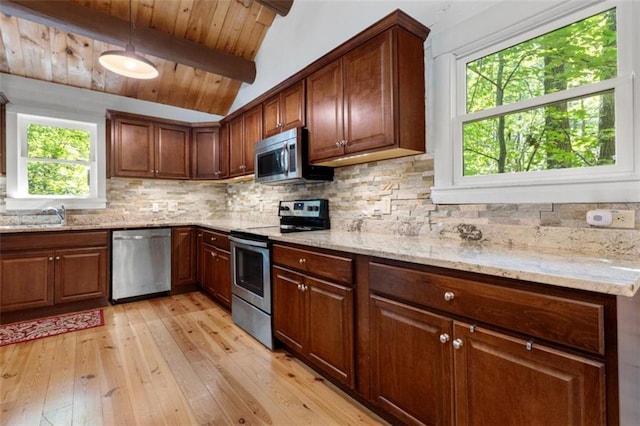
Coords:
285,208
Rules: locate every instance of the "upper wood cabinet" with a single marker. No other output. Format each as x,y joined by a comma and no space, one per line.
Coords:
244,131
284,111
146,148
369,101
209,158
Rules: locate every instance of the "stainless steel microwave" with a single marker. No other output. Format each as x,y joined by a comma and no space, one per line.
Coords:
283,158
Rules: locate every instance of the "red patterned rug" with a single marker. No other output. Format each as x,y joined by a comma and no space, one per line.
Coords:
51,326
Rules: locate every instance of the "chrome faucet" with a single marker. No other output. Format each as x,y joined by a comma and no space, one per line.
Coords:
61,213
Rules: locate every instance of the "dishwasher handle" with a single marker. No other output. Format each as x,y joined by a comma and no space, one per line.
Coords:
139,237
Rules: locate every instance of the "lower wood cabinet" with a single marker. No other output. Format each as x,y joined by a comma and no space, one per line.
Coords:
214,266
315,318
431,366
40,270
183,257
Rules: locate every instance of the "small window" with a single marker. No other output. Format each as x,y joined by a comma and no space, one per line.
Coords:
53,160
58,160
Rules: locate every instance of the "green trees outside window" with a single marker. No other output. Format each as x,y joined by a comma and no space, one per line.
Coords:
546,132
58,160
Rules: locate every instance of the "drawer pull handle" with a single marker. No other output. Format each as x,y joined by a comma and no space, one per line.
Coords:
449,296
457,344
302,261
529,345
444,338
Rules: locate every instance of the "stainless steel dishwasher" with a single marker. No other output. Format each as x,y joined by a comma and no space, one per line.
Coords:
141,263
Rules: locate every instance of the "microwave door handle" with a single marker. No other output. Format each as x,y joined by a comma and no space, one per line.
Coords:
285,154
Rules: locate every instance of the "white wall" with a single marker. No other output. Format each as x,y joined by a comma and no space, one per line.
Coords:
314,27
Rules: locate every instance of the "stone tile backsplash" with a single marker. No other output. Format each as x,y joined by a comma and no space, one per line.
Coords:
391,196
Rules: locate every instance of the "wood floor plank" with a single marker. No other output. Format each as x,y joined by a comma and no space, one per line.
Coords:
33,386
175,360
205,409
58,406
87,406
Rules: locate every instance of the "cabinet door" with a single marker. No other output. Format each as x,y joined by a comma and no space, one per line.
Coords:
411,368
288,315
205,153
500,381
207,268
252,134
329,342
222,277
172,152
133,148
236,148
325,112
80,274
271,116
368,114
183,256
292,107
26,280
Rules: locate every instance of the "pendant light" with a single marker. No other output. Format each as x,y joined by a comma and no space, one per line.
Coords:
127,62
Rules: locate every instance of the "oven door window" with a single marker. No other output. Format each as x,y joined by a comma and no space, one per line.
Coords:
249,271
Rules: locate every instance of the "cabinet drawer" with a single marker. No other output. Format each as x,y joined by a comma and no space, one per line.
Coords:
335,268
567,321
215,239
53,240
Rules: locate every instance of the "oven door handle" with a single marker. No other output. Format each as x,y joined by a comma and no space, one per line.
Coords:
250,243
285,154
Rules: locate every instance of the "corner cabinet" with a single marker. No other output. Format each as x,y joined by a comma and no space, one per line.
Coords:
209,154
53,269
244,131
369,101
446,350
214,265
149,149
313,314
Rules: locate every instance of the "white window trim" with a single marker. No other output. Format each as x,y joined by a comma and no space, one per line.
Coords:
17,193
619,183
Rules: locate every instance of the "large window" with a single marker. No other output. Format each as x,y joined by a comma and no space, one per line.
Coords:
548,113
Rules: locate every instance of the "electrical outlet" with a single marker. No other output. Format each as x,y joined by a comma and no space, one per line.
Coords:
155,208
623,219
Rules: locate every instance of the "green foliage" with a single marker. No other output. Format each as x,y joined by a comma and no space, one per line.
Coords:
574,133
57,161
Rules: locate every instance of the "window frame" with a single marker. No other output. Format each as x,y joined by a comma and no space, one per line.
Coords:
613,183
18,197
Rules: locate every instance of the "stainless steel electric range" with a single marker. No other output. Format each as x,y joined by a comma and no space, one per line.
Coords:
251,302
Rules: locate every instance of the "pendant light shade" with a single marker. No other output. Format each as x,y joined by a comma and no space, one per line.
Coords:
128,63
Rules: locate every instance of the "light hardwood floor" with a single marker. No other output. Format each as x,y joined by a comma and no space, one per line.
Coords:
170,361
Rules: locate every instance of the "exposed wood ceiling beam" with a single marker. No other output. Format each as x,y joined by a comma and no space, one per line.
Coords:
281,7
91,23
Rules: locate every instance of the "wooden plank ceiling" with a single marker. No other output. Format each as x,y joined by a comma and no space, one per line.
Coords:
33,50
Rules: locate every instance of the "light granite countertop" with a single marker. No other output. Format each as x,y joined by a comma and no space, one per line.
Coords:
616,276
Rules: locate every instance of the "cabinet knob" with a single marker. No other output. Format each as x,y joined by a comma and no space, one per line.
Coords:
444,338
213,238
339,144
449,296
57,257
51,258
457,344
302,260
213,254
299,286
199,235
343,142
